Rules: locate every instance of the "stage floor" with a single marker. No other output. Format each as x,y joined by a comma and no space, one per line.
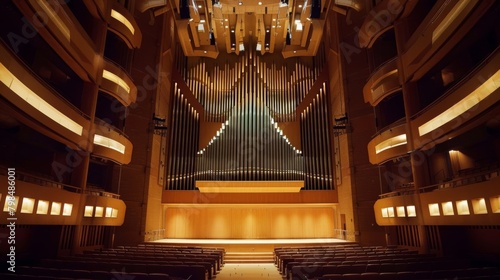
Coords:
250,245
252,241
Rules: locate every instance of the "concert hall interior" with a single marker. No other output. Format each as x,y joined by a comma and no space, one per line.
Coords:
247,131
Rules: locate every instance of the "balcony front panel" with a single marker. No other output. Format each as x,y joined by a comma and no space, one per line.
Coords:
477,93
118,83
397,210
112,144
472,204
42,108
47,204
445,25
62,31
123,24
388,144
382,83
103,211
379,20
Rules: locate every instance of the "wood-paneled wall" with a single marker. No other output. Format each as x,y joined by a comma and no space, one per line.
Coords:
250,221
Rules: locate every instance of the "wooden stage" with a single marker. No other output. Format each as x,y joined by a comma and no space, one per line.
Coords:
251,245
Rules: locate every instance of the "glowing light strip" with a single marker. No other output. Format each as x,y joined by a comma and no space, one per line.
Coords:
109,143
390,143
115,79
37,102
119,17
471,100
55,18
450,17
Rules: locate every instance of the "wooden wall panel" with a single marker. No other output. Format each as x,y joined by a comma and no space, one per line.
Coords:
250,222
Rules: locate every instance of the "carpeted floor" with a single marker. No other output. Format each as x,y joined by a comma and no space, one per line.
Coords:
249,272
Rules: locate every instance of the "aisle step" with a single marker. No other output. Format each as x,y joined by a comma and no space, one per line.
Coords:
249,257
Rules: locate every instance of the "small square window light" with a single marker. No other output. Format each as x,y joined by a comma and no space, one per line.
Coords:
56,208
463,207
412,212
43,207
434,209
448,208
28,205
89,210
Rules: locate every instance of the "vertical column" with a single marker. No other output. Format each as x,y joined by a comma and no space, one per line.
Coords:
418,158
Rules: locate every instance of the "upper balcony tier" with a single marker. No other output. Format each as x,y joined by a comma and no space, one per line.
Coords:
383,82
64,34
117,83
464,106
445,25
43,109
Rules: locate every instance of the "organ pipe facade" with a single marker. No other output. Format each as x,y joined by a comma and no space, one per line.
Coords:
252,98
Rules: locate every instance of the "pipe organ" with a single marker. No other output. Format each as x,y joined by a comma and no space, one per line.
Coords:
252,102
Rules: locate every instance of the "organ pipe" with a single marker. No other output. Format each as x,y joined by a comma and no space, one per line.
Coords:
250,97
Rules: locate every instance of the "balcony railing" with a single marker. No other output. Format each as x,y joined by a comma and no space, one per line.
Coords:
97,191
458,182
33,179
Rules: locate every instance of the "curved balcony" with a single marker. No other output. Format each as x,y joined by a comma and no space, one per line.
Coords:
383,82
475,95
379,20
123,24
62,31
103,210
118,83
110,143
388,144
445,26
41,106
465,201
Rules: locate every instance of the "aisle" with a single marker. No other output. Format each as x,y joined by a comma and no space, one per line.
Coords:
249,272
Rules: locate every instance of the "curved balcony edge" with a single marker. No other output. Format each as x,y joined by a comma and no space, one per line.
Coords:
383,82
110,143
102,210
123,24
379,20
117,83
388,144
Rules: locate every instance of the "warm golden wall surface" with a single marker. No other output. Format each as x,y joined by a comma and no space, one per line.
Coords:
250,221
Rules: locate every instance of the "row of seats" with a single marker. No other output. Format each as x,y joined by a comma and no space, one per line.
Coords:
358,262
475,273
26,272
131,262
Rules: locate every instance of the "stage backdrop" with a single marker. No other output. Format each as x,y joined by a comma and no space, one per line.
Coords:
250,221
